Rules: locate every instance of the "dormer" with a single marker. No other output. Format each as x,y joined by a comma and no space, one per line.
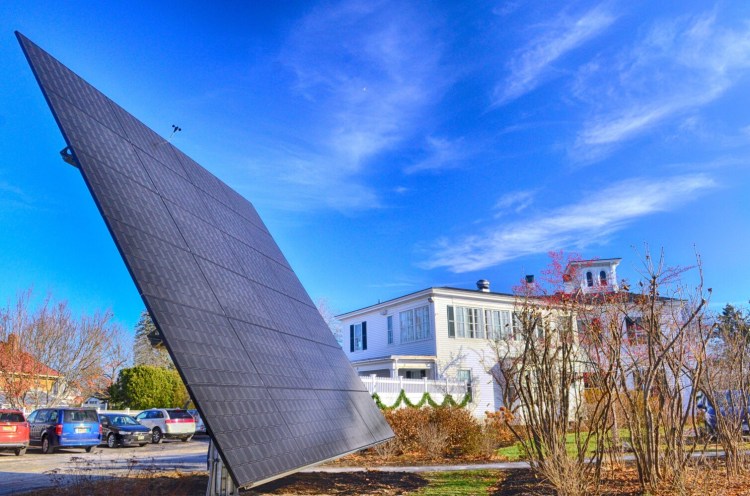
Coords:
592,275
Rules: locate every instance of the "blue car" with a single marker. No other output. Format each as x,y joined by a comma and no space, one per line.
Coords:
731,406
64,427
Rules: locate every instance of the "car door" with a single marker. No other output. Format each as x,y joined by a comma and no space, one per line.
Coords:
104,420
146,419
31,419
40,424
49,425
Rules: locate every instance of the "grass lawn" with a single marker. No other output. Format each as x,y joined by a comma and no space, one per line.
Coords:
459,483
515,452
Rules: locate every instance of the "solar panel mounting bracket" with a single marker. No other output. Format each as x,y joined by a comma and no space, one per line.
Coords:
68,157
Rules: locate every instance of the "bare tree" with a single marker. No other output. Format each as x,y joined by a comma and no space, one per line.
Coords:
725,385
539,368
329,316
63,356
658,334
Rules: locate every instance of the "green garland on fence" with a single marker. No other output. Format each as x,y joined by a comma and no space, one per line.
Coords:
448,401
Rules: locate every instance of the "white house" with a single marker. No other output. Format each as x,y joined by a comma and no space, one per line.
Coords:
444,332
435,333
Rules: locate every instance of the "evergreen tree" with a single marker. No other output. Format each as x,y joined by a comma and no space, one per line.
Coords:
144,387
144,353
734,321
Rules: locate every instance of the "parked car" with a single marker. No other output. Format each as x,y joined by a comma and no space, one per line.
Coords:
14,431
63,427
119,429
170,423
200,427
731,405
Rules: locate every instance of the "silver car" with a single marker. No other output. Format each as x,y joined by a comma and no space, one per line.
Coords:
170,423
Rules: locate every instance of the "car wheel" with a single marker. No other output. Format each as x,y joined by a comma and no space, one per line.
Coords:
111,440
20,451
187,439
89,449
156,436
46,446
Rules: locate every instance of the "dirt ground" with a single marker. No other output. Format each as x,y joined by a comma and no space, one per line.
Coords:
701,482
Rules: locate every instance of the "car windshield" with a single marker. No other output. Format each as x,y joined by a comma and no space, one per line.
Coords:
80,416
122,420
11,417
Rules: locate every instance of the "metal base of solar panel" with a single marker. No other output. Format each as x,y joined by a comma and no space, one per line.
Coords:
219,481
273,386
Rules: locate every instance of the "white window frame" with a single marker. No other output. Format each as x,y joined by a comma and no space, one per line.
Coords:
358,337
415,324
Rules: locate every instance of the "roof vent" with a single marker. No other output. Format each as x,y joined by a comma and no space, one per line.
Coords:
483,285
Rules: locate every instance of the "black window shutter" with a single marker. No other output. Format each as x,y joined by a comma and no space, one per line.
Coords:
364,335
451,323
351,338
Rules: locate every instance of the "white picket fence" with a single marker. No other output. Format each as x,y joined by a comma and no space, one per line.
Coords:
388,388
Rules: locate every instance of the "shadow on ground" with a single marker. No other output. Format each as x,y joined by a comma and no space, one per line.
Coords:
346,484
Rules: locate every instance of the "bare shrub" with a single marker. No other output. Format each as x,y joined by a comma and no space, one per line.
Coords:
433,439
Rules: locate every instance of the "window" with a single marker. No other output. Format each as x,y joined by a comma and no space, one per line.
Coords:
390,329
461,322
478,323
415,324
589,279
496,324
634,329
358,337
602,278
474,323
465,375
80,416
517,327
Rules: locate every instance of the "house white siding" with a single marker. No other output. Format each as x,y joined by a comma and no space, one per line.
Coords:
377,331
440,356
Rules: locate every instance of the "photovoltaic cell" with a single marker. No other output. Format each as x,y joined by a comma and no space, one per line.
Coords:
272,385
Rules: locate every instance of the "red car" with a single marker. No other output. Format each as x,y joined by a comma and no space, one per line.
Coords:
14,431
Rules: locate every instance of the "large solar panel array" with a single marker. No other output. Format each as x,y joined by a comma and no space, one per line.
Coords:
272,384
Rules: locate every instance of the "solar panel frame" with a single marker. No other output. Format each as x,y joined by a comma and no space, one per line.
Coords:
232,313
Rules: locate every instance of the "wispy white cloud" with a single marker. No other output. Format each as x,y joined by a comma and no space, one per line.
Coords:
14,198
588,221
367,77
531,64
516,201
678,66
441,154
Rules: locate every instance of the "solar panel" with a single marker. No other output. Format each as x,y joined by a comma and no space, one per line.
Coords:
272,384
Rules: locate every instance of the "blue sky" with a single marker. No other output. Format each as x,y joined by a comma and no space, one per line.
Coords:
393,146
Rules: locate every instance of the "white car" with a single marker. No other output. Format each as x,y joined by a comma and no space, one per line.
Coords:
170,423
200,427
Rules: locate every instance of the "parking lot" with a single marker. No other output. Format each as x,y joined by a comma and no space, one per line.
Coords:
34,470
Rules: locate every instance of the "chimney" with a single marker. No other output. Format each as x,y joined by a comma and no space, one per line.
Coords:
483,285
530,281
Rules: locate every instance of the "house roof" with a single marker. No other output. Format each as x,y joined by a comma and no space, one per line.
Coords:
425,292
15,360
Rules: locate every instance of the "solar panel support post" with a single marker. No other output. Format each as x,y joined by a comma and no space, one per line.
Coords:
220,483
